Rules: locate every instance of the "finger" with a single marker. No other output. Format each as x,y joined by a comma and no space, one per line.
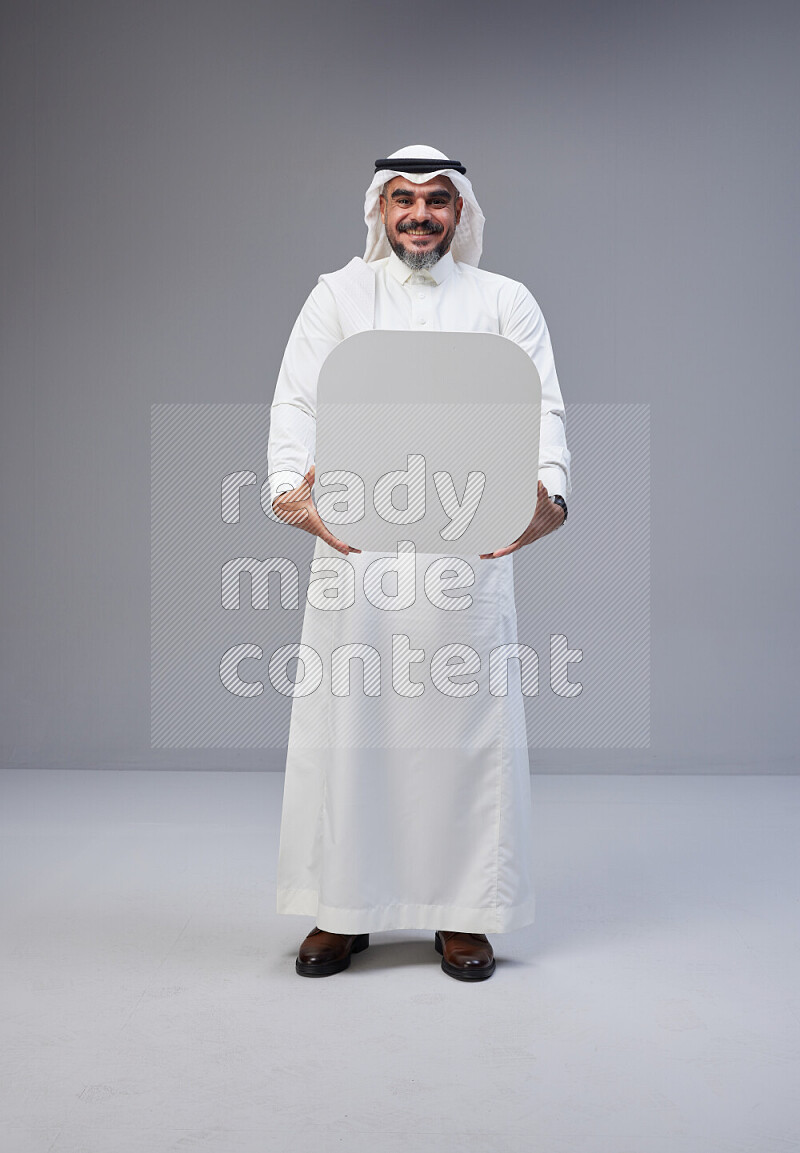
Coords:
505,551
520,540
348,548
325,534
331,540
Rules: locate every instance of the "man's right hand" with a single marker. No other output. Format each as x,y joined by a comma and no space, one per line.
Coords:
296,507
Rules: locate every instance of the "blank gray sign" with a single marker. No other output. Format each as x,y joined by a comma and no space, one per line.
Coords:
429,437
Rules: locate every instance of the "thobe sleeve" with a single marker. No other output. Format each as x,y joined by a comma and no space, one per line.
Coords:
293,415
525,325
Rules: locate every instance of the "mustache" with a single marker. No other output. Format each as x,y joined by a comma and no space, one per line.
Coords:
432,227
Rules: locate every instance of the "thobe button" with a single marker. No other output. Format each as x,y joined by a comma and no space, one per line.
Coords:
423,320
420,296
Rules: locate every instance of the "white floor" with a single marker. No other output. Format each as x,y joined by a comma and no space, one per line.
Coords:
150,1001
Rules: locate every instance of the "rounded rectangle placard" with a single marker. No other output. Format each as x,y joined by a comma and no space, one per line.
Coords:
428,437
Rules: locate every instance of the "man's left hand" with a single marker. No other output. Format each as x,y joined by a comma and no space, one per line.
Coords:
546,519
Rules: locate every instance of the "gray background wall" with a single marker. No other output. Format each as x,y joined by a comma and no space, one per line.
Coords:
177,174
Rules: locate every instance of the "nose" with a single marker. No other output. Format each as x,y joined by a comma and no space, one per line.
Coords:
420,209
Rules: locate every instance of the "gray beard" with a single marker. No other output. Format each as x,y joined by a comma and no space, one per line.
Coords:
418,260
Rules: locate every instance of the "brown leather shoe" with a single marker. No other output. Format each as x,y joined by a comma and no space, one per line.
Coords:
323,953
465,956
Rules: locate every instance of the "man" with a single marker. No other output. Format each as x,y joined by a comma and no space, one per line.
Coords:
427,827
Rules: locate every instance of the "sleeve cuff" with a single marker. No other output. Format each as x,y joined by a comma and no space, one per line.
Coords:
284,480
554,481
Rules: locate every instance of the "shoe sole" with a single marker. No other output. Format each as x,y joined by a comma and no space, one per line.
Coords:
328,968
462,974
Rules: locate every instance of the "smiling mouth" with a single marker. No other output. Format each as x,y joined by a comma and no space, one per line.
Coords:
420,232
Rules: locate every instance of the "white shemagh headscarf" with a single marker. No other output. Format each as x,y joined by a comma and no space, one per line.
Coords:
468,240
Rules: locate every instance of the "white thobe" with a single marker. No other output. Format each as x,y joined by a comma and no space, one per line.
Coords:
415,818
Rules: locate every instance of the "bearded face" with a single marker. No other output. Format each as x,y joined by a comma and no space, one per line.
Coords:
420,219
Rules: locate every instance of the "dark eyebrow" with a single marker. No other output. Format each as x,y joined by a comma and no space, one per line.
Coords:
435,194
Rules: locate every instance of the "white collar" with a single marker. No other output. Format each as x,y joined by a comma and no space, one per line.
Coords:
403,274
